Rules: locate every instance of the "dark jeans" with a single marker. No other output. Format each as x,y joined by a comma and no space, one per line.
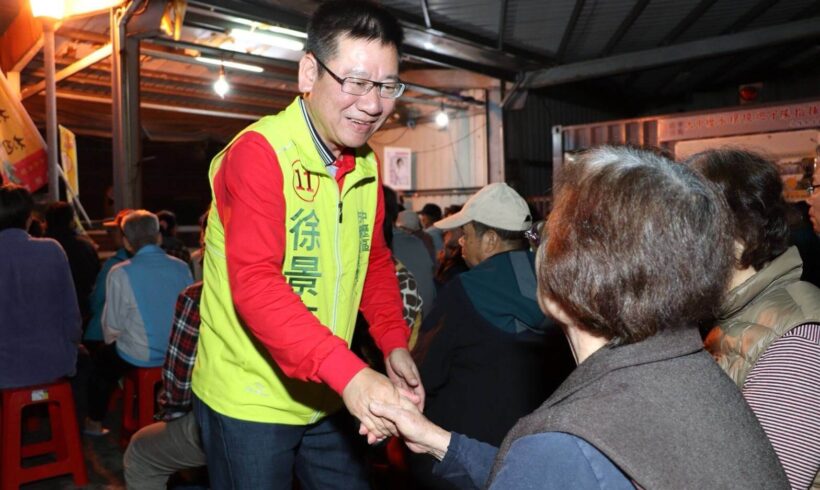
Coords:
108,367
254,455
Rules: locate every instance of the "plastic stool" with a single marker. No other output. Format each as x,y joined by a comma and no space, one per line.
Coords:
64,442
139,385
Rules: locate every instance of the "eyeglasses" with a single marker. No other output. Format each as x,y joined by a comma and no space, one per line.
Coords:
362,86
534,233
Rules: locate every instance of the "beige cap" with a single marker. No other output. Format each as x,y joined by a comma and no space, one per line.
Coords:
496,205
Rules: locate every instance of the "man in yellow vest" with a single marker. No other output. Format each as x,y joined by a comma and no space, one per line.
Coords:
294,250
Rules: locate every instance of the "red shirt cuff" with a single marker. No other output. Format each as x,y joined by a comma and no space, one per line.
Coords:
395,338
339,367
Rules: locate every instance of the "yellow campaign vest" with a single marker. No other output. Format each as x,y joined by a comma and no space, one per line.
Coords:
326,256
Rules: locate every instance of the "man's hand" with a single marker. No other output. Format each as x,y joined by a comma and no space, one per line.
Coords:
365,387
419,434
404,375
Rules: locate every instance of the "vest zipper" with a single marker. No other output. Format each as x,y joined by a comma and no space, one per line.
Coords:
338,278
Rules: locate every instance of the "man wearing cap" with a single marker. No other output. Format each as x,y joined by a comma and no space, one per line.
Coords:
486,353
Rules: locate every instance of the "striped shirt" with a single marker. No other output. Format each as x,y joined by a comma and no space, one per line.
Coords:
783,390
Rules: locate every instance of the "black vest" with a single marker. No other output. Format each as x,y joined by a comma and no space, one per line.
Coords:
665,413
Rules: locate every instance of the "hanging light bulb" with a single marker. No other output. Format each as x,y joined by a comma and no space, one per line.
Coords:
442,119
221,86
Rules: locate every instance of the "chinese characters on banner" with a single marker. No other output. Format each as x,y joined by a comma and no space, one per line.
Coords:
744,121
68,157
22,152
398,168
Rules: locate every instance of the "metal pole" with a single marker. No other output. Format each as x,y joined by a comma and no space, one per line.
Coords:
51,112
125,110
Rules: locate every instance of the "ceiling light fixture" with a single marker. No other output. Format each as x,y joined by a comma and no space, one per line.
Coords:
230,64
271,39
221,85
442,119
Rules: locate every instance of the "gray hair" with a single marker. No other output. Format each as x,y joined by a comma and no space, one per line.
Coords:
635,244
141,228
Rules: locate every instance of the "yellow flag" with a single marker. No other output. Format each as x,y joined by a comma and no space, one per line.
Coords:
171,22
68,157
22,151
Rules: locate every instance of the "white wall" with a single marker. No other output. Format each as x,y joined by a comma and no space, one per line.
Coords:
792,150
451,158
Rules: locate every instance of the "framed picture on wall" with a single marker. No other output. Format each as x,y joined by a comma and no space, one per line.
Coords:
397,171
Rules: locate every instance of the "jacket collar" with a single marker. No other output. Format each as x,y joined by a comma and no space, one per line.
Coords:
666,344
149,249
783,269
321,148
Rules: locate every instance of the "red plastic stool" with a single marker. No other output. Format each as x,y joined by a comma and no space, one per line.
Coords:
139,386
64,442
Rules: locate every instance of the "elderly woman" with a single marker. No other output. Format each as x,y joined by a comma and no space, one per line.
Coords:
768,338
637,258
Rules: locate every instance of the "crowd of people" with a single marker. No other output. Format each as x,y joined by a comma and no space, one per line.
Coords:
658,329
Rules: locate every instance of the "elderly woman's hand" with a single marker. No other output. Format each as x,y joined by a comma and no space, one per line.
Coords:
419,434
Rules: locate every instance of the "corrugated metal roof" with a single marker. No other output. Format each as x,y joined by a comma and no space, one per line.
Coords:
717,19
538,26
656,21
598,22
465,35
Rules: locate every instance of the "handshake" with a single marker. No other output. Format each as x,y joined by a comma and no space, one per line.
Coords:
393,405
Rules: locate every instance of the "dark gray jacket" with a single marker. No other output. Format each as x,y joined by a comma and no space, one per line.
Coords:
665,413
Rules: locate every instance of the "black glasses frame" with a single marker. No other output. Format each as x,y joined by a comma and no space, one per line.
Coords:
368,83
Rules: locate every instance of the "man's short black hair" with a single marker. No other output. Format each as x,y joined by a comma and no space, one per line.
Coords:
59,218
432,210
167,222
512,238
357,19
15,206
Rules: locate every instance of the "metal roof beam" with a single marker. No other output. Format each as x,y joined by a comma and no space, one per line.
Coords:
79,65
630,19
224,54
573,21
687,22
288,79
425,9
456,49
63,94
750,15
502,24
295,16
677,53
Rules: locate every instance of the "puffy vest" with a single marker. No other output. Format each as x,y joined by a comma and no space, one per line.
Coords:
327,250
758,312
